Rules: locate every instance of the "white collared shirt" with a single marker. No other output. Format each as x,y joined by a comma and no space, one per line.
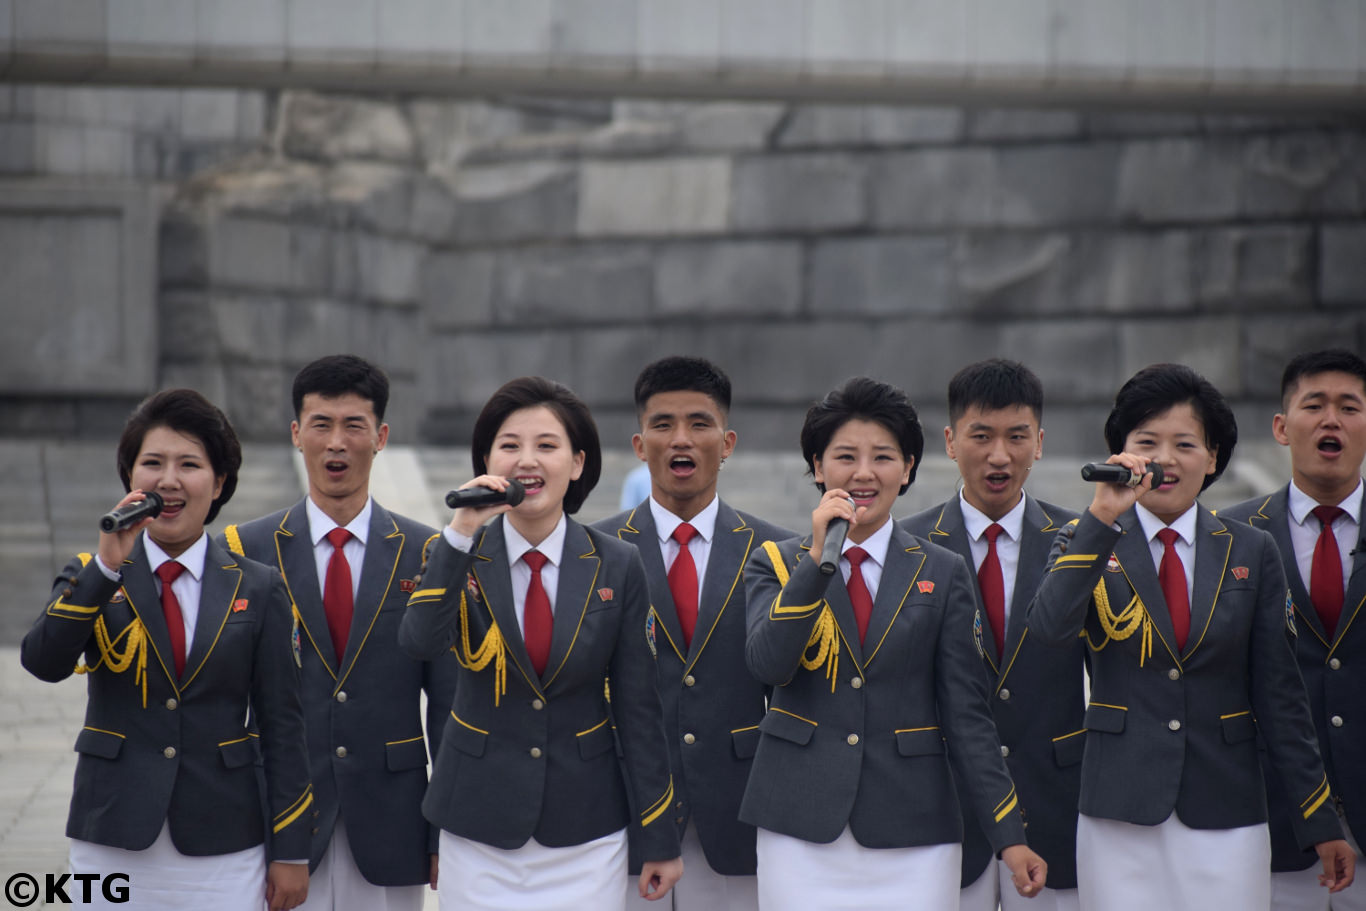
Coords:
187,585
699,546
1184,526
515,546
1305,529
875,545
320,524
976,523
553,549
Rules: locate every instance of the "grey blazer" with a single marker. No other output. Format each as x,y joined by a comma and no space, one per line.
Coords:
156,749
528,755
871,736
366,747
1173,730
1037,699
1334,672
712,704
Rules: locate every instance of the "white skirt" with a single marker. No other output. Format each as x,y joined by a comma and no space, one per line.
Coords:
1172,867
477,877
845,876
160,878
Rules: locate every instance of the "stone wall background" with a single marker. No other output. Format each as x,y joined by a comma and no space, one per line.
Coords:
461,243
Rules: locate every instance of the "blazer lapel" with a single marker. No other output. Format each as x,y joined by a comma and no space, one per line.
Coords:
730,546
579,569
1036,539
383,548
640,530
1354,598
1213,544
144,597
294,553
217,596
1136,563
905,558
951,532
492,575
1274,516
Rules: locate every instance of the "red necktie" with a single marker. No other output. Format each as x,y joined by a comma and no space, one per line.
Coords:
168,572
858,590
683,582
338,601
1172,575
1325,578
537,620
992,583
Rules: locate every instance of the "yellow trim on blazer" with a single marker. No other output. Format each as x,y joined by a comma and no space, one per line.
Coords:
103,731
493,648
725,603
118,662
752,727
592,554
1122,625
295,811
1074,733
463,723
340,679
234,539
238,740
825,632
427,593
216,636
657,808
933,727
1235,714
775,557
592,729
1106,705
774,708
1322,791
1088,559
390,743
1004,807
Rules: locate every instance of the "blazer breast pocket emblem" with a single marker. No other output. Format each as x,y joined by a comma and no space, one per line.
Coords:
239,605
926,587
408,586
1239,573
606,594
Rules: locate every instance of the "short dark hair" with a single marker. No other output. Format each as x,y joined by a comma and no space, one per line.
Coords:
184,411
994,384
1154,390
336,375
1312,363
528,392
679,373
869,400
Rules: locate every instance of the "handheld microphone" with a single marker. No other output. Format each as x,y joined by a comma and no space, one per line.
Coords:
485,496
1118,474
127,516
835,533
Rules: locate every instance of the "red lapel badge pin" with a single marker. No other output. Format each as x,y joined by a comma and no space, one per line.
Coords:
239,605
925,587
408,586
605,594
1112,564
1239,573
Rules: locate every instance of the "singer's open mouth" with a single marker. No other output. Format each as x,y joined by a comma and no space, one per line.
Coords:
335,466
682,465
863,497
998,481
532,484
1330,446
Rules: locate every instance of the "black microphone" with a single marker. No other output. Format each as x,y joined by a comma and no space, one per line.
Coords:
835,533
486,496
1118,474
132,514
